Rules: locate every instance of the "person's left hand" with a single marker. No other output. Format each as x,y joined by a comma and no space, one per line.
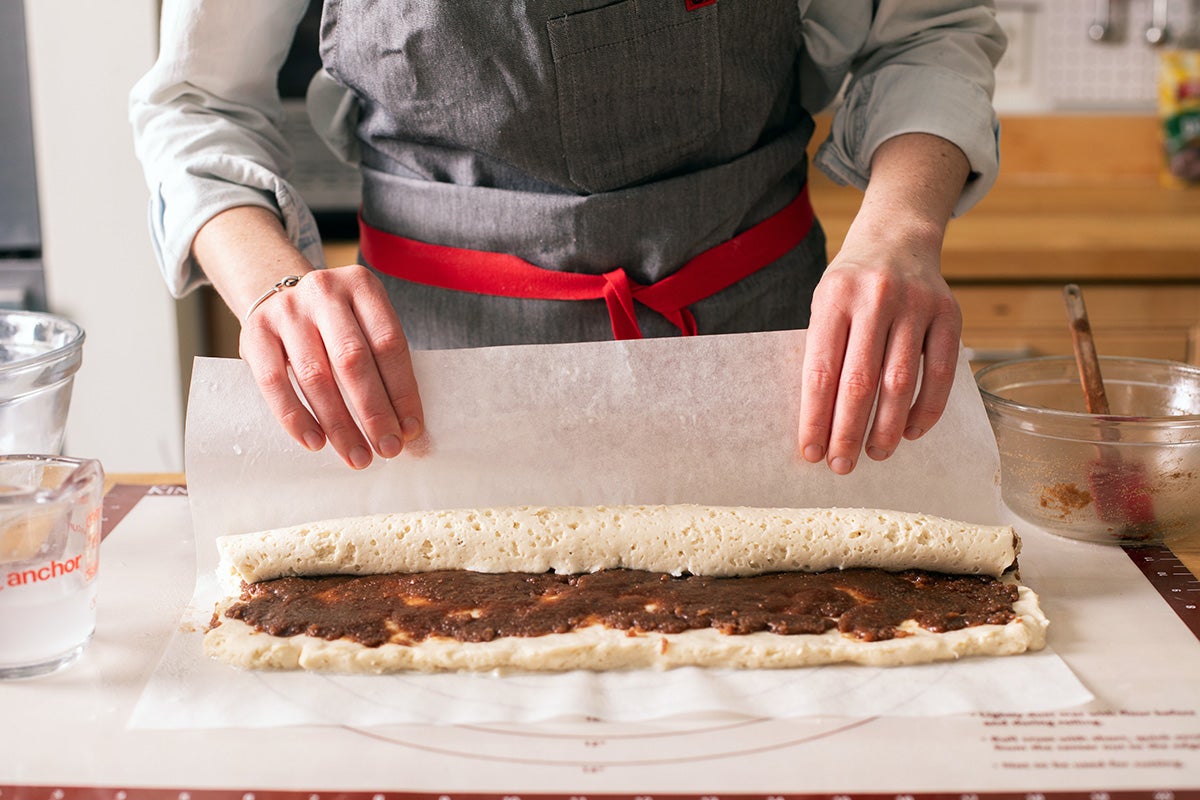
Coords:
885,327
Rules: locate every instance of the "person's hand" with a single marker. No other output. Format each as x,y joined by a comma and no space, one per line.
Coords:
337,333
885,328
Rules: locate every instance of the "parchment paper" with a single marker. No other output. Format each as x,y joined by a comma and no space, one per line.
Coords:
706,419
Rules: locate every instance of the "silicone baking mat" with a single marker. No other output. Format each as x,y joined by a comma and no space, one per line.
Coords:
1140,740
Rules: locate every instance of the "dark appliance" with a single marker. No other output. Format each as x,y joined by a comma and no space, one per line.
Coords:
22,280
331,189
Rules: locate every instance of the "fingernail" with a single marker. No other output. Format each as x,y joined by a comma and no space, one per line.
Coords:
913,432
814,453
313,440
841,465
877,453
410,427
360,457
390,446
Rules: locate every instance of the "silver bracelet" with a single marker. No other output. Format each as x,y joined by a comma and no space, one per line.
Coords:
286,282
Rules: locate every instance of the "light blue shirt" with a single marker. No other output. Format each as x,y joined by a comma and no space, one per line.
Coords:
206,115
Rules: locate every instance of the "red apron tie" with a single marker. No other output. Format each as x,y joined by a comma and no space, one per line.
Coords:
618,296
506,275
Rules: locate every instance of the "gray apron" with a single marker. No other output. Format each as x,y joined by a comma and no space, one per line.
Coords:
579,135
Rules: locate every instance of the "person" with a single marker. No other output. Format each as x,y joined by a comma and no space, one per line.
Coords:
577,170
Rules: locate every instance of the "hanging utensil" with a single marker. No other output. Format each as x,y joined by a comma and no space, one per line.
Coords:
1101,28
1158,32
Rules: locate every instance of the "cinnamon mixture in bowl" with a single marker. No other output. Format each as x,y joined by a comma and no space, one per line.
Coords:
1129,477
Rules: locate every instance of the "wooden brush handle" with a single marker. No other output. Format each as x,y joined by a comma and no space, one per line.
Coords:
1085,351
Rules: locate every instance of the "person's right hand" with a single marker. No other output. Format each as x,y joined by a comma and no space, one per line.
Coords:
338,334
335,331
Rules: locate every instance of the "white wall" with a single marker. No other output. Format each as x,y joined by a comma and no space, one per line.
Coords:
127,407
1053,65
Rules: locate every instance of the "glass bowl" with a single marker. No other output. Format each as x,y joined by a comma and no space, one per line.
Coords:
1130,477
39,356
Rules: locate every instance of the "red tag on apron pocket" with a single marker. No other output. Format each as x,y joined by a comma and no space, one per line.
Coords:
692,5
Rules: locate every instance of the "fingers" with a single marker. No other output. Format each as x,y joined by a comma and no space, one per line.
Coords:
872,346
857,389
314,369
374,366
268,365
339,336
897,384
941,361
824,351
931,362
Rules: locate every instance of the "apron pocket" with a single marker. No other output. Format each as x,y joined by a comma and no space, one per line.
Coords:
636,96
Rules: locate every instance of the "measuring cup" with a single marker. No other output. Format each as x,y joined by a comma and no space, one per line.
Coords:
50,509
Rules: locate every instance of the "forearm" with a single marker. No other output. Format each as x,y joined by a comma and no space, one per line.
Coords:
205,123
243,252
916,180
923,66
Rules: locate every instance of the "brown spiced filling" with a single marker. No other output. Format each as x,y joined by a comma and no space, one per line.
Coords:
405,608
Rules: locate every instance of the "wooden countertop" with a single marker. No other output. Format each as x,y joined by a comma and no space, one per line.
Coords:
1188,552
1079,198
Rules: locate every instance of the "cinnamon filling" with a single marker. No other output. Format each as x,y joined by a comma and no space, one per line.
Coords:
406,608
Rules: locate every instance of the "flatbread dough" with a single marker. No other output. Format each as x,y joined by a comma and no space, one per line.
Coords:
675,539
701,540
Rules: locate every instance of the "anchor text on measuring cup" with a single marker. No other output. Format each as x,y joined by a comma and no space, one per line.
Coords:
46,572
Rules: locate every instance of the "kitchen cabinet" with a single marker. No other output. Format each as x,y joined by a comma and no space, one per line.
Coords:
1026,319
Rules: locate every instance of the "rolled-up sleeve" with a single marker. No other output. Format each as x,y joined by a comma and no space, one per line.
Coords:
206,126
915,66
